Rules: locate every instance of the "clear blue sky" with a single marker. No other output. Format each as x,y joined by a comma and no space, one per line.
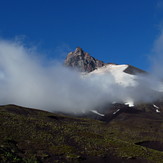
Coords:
119,31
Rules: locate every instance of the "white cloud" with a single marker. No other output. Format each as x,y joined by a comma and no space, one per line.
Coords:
157,56
25,80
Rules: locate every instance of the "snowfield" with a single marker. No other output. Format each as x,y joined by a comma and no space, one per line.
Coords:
129,88
117,72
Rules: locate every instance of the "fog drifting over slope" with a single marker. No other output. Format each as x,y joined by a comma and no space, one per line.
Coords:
27,81
157,57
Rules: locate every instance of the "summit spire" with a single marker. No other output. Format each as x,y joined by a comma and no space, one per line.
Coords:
82,61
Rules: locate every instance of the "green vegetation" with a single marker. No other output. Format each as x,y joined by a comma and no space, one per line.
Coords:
29,136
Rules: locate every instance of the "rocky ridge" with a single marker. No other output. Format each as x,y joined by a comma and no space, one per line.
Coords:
82,61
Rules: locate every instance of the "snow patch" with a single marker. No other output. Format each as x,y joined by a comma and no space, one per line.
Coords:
116,111
157,111
155,106
130,103
117,72
94,111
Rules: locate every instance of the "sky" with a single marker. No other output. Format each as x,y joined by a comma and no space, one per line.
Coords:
116,31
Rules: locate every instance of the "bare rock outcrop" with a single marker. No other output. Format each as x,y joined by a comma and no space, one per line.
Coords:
82,61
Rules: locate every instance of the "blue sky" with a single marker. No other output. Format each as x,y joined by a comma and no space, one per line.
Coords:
118,31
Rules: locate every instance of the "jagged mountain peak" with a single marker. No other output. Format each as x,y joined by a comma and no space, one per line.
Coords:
78,50
82,61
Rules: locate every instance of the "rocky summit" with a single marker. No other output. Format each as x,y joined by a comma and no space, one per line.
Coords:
82,61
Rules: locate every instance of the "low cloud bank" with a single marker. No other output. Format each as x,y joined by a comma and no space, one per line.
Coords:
27,81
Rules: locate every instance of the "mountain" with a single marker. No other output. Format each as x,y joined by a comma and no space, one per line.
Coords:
114,132
82,61
126,76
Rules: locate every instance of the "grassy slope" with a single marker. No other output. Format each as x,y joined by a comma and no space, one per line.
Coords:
28,135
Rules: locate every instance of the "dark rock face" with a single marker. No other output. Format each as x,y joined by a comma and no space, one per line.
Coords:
82,61
134,70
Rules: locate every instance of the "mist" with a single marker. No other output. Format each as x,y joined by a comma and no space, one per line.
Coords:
157,56
30,80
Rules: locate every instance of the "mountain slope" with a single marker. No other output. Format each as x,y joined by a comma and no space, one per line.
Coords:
118,72
29,135
136,86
